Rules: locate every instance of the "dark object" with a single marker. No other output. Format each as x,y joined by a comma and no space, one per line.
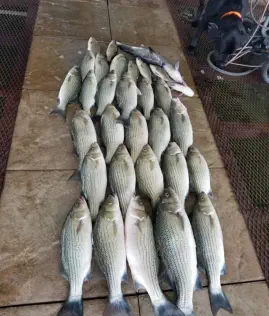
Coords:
17,19
230,32
238,114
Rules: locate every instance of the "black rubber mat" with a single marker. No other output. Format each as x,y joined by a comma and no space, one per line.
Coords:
17,19
238,113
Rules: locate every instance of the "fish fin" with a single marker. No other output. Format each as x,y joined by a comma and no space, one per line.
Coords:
162,120
198,283
152,165
166,308
138,225
210,194
165,277
137,285
115,228
183,118
138,91
116,307
223,270
151,50
88,276
74,152
177,65
218,300
125,122
74,307
63,273
124,278
75,176
58,111
181,221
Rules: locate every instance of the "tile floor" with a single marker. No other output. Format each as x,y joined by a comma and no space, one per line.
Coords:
36,197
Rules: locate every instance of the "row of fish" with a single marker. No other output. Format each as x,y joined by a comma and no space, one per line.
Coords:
140,242
139,157
96,82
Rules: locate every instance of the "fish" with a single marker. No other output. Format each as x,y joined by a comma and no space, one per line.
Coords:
146,99
163,95
173,72
175,171
144,69
94,179
83,136
126,95
149,175
176,246
87,64
183,88
136,134
146,54
110,254
181,126
112,131
119,64
121,176
101,67
133,70
143,258
93,46
88,92
111,50
69,91
159,132
210,250
198,172
76,255
106,92
160,72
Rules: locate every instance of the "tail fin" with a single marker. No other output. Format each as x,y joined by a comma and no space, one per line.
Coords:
218,300
166,308
75,176
72,307
117,307
58,111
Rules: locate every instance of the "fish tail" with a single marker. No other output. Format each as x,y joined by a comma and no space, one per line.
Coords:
75,176
166,308
218,300
58,111
116,307
72,307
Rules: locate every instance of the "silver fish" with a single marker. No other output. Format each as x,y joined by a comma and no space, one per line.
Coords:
159,72
159,132
136,135
146,99
76,245
144,69
142,257
177,249
175,171
173,72
210,250
111,50
83,136
181,127
94,179
126,94
93,46
106,92
87,64
119,65
149,175
88,92
122,179
146,54
69,91
109,245
101,67
112,131
198,172
183,88
163,95
133,70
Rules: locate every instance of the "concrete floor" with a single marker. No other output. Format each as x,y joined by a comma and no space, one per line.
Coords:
37,197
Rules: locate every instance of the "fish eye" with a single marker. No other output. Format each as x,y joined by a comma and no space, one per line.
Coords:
167,194
77,203
109,202
140,202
